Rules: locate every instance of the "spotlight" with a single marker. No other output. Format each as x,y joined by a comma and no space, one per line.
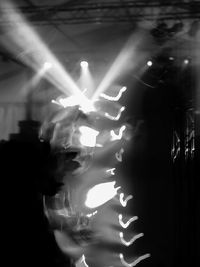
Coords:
186,61
149,63
84,64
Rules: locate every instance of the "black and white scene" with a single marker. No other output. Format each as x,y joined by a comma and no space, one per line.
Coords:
100,133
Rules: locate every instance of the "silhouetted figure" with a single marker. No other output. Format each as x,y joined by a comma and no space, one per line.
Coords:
30,170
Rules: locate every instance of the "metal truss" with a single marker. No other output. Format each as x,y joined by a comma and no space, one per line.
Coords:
122,11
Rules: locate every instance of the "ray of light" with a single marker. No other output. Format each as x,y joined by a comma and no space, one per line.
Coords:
127,59
24,42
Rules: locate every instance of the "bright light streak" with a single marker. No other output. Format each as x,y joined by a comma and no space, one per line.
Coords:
114,98
100,194
111,171
126,60
118,155
92,214
81,262
86,82
76,100
21,40
135,262
115,136
84,64
125,225
118,115
88,136
124,201
129,243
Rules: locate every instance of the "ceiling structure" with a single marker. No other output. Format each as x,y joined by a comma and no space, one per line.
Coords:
98,30
82,28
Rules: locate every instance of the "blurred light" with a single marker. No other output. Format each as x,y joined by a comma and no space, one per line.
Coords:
124,201
74,100
125,225
135,262
100,194
186,61
84,64
47,65
131,241
115,136
88,136
149,63
116,118
114,98
171,58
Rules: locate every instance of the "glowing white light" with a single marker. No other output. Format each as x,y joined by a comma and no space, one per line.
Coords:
84,64
149,63
125,225
124,201
47,65
118,115
92,214
112,171
100,194
115,136
135,262
186,61
114,98
74,100
81,262
118,155
129,243
88,136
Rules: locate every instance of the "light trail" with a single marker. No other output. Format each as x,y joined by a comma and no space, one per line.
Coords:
135,262
115,118
115,136
124,201
131,241
114,98
125,225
